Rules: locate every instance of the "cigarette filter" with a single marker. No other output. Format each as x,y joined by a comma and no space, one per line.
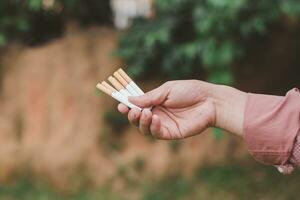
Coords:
132,84
106,88
119,87
126,84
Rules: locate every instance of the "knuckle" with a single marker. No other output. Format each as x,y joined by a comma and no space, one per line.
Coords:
168,83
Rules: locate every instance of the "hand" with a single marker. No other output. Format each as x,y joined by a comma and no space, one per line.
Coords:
181,109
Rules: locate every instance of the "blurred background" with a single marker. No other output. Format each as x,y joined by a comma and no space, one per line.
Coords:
61,139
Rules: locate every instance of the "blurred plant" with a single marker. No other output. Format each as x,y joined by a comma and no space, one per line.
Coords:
35,21
187,37
218,133
174,145
139,164
123,173
237,180
116,120
28,189
170,187
110,142
109,138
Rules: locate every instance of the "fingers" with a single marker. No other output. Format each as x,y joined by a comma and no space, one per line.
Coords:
123,108
141,119
152,98
157,130
145,121
134,116
151,124
155,126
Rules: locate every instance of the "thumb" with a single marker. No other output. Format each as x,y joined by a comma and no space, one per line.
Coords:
153,98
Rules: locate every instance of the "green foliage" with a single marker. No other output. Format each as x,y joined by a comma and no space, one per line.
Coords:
139,164
246,182
110,138
110,142
234,181
174,145
116,120
27,189
204,38
218,133
174,187
35,21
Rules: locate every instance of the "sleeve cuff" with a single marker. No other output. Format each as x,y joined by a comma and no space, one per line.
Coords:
271,124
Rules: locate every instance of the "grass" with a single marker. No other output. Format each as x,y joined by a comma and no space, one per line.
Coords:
27,190
226,182
247,182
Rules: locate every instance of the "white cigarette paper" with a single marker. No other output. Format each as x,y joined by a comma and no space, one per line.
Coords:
128,87
130,82
122,87
117,96
125,93
118,85
131,85
136,88
132,90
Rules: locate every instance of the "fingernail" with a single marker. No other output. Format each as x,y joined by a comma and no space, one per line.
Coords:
146,115
133,115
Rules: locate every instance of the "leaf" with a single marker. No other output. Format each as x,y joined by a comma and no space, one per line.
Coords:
218,133
2,39
208,53
226,53
290,8
221,76
209,34
22,25
35,5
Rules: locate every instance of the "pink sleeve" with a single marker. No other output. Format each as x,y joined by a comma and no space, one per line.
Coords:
271,125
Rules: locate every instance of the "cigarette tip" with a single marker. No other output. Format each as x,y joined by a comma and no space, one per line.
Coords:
116,73
110,78
98,85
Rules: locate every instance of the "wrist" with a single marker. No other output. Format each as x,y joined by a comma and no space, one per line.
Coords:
229,106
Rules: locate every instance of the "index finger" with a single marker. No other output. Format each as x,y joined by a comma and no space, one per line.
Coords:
123,108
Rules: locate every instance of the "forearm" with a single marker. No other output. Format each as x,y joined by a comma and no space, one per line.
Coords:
230,107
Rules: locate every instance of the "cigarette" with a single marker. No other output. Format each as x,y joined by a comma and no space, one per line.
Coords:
107,89
119,87
106,85
130,82
126,84
103,89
